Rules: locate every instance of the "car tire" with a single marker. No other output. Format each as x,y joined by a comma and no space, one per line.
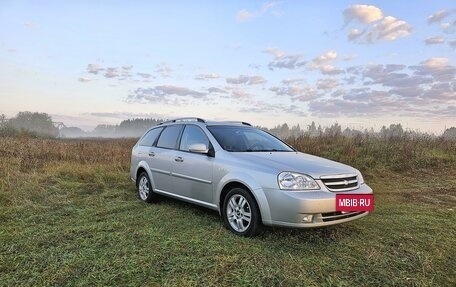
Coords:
241,214
144,188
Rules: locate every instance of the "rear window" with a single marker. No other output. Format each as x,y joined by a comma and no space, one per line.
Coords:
168,138
149,138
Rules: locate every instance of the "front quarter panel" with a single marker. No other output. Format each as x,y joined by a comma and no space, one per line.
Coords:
249,181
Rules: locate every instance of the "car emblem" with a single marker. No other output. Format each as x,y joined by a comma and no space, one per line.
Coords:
346,182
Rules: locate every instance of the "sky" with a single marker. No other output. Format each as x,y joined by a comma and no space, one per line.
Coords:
360,64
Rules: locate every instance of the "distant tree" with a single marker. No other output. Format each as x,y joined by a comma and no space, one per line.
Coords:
104,131
393,131
39,123
334,130
135,127
320,130
312,130
2,120
72,132
450,133
296,131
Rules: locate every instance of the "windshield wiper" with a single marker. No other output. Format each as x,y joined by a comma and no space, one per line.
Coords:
261,150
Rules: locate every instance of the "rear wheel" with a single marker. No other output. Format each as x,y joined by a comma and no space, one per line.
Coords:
241,213
145,191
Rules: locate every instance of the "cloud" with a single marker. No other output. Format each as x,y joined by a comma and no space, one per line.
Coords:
437,68
434,40
423,90
246,80
322,63
278,54
327,83
293,81
331,70
326,57
144,75
448,28
125,115
349,57
255,66
376,26
111,73
362,13
203,77
283,60
127,68
296,93
164,93
452,43
30,24
94,68
84,79
389,29
439,16
342,108
246,15
354,34
240,94
215,90
163,70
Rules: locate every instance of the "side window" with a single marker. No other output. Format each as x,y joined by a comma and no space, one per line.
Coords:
192,135
168,138
149,138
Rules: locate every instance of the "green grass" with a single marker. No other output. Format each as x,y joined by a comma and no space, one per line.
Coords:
71,218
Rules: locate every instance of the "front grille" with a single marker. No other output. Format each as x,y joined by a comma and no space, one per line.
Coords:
331,216
343,182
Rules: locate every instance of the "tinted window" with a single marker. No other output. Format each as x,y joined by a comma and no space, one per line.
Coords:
168,138
246,139
149,138
192,135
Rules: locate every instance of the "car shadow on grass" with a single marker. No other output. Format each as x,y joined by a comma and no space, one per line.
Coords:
325,235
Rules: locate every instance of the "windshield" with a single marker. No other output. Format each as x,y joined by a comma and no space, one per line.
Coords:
246,139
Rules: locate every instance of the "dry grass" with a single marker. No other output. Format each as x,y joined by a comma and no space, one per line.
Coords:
69,217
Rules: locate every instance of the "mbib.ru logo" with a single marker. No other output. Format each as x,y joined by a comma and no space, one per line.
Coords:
354,202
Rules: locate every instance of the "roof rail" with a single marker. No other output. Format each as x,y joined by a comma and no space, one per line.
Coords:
238,122
186,119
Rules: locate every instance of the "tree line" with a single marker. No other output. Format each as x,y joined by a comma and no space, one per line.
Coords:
35,124
41,124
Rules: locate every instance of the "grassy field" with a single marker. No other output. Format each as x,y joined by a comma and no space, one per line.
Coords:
69,216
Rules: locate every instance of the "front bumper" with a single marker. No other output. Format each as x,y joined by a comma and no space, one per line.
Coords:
308,208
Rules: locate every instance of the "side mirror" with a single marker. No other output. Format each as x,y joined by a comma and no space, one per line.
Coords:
198,148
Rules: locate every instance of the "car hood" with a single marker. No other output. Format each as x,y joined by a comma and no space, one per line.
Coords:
297,162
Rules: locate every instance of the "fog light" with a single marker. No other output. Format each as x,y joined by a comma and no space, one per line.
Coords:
307,218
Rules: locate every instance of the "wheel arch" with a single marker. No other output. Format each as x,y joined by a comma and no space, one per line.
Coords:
144,167
247,183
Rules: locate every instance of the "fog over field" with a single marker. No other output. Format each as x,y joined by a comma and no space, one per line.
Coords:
41,124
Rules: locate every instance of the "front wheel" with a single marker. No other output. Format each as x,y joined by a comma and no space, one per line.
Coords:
144,186
241,213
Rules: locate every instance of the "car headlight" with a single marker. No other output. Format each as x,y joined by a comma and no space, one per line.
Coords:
296,181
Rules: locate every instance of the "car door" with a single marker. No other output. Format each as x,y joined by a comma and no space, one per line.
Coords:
192,172
142,152
161,158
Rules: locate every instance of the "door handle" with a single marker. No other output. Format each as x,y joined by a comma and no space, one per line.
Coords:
151,153
179,159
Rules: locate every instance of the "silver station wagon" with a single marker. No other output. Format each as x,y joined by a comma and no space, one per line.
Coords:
249,176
